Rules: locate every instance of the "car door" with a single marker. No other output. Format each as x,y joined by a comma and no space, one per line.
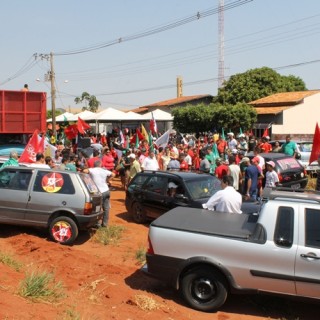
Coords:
153,195
308,253
14,194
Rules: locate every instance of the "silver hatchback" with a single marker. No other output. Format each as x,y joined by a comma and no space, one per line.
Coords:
64,202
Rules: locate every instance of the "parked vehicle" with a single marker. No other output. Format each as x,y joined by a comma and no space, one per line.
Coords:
147,195
290,172
63,202
208,255
305,148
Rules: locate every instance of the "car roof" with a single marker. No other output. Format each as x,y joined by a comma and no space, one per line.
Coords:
179,174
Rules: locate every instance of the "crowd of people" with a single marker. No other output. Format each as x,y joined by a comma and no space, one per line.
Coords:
208,154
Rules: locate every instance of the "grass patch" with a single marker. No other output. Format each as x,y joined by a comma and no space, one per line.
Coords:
9,261
109,235
141,255
146,303
41,287
71,314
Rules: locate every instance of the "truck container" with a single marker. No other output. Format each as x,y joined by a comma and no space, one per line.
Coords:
21,113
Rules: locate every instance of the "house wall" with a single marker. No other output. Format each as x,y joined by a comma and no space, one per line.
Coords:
299,121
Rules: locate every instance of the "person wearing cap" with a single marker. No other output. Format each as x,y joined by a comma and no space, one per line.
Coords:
221,169
134,167
225,200
243,144
172,189
272,178
13,160
234,171
252,175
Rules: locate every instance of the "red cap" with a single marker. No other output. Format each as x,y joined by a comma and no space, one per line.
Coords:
256,159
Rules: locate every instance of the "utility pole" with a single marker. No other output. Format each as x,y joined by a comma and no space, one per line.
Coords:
221,44
53,96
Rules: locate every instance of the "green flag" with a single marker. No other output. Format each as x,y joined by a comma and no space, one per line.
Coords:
240,131
223,135
137,141
150,142
215,151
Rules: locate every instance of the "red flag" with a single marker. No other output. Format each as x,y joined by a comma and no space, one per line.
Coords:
32,148
153,125
266,132
315,152
71,131
82,126
139,134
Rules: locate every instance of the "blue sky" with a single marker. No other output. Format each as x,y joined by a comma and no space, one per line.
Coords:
129,74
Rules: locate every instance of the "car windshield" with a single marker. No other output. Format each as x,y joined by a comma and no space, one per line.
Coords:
203,187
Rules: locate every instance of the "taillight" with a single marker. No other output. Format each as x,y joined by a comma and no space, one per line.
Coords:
280,177
87,210
150,249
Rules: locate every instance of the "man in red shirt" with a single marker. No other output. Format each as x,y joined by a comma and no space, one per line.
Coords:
221,169
265,146
221,146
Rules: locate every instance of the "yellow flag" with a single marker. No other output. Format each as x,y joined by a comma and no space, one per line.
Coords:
144,132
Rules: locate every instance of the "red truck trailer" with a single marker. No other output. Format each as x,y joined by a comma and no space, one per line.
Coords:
21,113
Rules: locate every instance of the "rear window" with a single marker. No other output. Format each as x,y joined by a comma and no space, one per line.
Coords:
305,147
92,187
288,163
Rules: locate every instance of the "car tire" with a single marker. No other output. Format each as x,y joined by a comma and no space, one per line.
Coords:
63,230
204,289
138,213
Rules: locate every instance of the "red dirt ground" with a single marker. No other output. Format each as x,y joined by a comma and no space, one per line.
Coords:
104,281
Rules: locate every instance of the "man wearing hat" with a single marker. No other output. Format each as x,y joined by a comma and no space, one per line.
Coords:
252,175
272,178
134,167
172,189
232,142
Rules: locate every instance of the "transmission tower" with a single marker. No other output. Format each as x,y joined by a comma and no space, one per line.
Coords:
221,44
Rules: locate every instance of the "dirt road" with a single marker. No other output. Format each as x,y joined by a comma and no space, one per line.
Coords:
104,281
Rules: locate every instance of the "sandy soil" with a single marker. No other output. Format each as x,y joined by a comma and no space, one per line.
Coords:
104,281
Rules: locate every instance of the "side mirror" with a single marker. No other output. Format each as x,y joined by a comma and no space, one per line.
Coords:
298,156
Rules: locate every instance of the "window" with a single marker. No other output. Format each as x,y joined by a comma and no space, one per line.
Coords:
283,235
53,182
157,185
15,179
312,228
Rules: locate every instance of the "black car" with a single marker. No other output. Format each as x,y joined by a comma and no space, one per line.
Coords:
148,197
290,171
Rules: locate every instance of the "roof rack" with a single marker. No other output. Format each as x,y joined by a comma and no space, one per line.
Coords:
297,194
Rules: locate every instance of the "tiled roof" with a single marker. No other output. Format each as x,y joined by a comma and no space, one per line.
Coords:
270,110
284,98
171,102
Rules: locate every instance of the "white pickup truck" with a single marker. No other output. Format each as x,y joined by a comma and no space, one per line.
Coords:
207,255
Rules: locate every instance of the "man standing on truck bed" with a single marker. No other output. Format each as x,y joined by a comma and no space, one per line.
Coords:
225,200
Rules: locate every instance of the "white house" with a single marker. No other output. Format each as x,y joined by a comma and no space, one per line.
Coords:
294,113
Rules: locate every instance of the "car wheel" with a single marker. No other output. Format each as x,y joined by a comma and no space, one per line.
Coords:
204,289
138,213
63,230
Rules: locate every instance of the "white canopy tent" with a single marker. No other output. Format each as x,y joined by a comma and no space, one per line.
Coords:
109,114
84,115
158,115
62,117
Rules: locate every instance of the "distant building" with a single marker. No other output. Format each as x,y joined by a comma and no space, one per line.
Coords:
294,113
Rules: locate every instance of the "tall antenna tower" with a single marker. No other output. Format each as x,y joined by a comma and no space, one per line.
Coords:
221,44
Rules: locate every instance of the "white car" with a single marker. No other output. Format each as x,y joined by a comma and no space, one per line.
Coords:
305,148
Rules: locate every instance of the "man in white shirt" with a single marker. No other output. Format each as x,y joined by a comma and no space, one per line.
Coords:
150,162
225,200
102,177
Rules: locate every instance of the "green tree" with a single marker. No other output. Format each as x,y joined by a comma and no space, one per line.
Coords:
91,102
49,113
255,84
201,118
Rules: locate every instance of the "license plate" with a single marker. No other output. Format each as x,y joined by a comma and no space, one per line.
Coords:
98,208
295,186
